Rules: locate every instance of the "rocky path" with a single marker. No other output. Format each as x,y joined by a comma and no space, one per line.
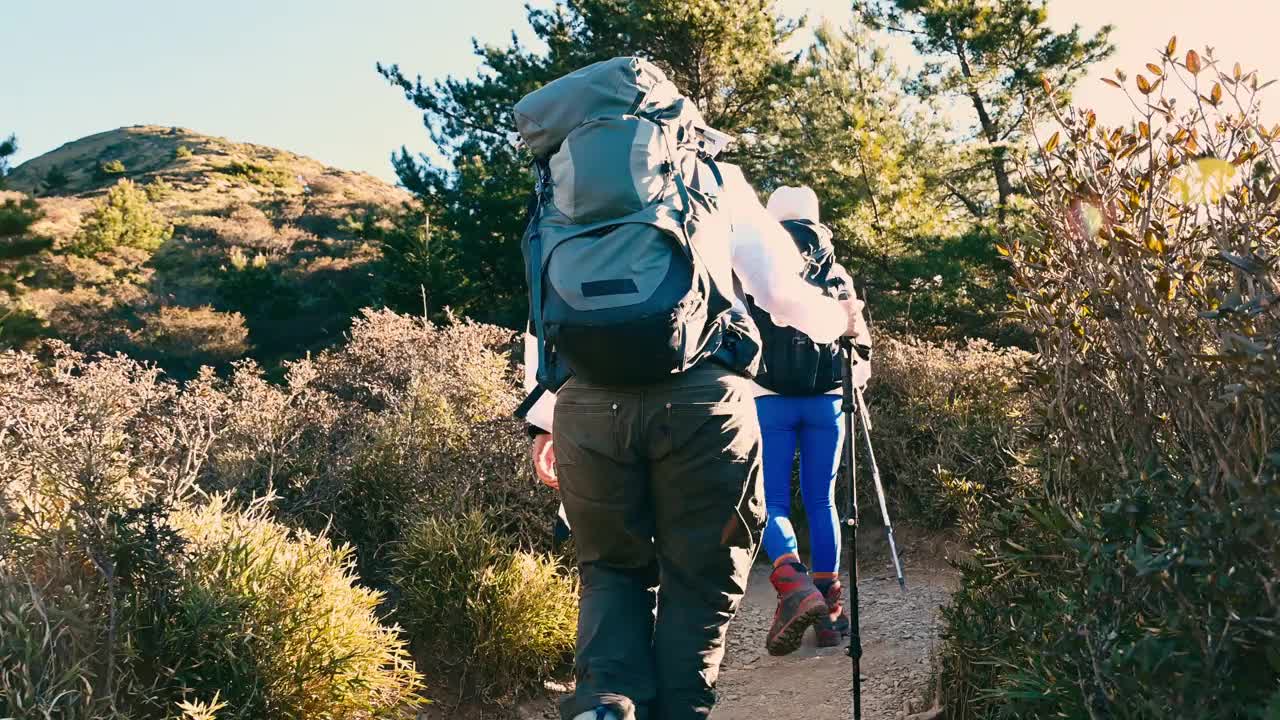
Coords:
899,631
899,638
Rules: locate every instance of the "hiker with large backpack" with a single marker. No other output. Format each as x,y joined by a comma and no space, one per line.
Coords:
636,243
799,406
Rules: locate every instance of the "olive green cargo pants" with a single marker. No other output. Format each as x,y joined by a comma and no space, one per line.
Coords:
661,484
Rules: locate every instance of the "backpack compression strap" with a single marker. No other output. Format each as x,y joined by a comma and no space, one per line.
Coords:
535,270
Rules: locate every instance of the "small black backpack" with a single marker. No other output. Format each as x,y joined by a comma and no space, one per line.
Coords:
792,363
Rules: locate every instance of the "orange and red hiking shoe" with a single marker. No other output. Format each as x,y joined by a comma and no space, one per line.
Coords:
800,605
835,623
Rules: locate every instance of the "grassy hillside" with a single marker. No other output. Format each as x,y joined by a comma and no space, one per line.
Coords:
265,254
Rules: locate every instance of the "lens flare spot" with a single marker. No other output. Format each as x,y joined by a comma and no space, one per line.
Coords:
1206,180
1086,218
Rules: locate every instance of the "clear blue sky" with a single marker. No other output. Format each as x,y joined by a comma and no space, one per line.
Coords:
295,74
298,74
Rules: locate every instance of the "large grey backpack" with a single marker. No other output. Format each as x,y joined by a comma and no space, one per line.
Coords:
619,294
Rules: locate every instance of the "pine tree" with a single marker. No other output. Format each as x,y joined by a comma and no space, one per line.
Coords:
845,127
124,217
8,147
54,180
995,55
724,55
881,162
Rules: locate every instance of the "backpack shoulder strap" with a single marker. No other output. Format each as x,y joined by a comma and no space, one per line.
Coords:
714,168
533,258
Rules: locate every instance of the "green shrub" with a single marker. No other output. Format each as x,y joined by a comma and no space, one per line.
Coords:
18,214
1141,583
47,652
503,619
124,218
21,246
158,189
19,324
273,621
182,152
109,169
259,288
256,172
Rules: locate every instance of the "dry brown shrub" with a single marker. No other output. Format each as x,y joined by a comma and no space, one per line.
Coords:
950,425
248,227
326,185
191,337
407,420
85,448
84,439
442,440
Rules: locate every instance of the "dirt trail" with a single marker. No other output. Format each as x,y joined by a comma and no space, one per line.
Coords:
899,631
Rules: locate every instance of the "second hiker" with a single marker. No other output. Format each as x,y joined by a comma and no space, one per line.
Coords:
799,402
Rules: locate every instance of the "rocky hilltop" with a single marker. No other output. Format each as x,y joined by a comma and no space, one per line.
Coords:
267,253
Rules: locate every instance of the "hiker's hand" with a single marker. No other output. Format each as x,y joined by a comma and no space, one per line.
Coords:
857,327
544,461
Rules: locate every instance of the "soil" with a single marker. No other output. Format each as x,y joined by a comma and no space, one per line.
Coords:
899,640
899,633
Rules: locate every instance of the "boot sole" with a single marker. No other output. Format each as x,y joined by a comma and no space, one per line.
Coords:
790,636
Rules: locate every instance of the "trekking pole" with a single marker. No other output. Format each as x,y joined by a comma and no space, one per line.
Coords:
875,477
851,528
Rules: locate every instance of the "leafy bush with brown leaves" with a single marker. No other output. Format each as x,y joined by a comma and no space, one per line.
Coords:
1144,583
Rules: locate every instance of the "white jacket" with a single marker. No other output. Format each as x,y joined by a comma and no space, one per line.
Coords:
765,260
861,368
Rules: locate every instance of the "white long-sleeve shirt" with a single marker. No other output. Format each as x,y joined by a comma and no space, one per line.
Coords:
764,258
861,369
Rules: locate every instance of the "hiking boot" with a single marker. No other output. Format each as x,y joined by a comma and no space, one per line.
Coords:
800,605
835,623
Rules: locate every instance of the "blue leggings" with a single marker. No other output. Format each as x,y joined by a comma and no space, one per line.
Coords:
812,422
